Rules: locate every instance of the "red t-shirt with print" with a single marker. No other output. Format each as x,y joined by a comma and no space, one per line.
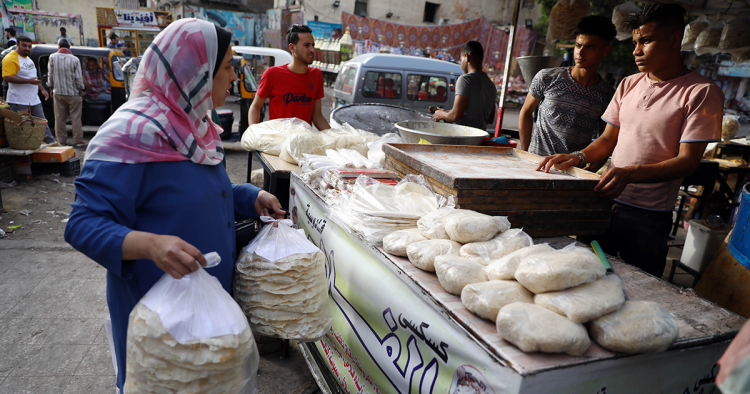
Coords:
291,95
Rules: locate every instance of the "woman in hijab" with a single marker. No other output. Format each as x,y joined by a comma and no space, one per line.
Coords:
153,196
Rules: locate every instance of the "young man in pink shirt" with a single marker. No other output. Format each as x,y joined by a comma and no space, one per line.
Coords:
658,125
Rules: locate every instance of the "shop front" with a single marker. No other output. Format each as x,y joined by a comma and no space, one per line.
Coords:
136,29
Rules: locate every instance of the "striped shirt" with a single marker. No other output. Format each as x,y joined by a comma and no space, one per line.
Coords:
65,76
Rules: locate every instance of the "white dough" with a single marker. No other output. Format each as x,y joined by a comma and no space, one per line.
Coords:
396,242
422,254
505,267
498,247
486,298
535,329
471,227
431,225
638,327
455,272
559,270
585,302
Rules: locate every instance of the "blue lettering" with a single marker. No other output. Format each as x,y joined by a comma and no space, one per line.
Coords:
296,98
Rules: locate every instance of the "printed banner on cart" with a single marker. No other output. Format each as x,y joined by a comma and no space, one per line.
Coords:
453,37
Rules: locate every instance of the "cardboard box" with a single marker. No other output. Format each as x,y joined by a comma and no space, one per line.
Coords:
55,154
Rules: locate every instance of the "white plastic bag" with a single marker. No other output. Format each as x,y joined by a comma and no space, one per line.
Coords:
564,17
585,302
637,327
311,142
708,39
268,136
485,299
535,329
188,335
280,283
692,30
735,38
730,126
621,19
432,225
559,270
505,267
498,247
455,272
375,148
466,226
396,243
423,253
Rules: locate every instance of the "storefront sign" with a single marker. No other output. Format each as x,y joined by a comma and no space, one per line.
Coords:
323,29
137,20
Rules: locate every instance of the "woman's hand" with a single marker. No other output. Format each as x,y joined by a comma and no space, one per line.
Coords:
266,204
171,254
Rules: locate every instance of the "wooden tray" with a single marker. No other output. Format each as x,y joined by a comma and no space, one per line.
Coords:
504,181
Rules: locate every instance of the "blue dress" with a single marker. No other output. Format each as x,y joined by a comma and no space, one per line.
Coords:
197,203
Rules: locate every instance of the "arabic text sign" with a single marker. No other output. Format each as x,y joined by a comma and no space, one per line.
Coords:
136,19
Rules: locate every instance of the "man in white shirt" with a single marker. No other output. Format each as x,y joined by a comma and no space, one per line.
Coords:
10,35
63,34
23,84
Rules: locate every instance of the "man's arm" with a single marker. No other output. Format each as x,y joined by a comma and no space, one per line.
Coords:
318,119
456,113
253,114
17,79
597,151
526,120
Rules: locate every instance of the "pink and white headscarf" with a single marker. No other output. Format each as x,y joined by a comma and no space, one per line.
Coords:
167,117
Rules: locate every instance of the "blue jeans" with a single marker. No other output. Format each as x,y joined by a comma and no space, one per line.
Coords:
35,110
103,96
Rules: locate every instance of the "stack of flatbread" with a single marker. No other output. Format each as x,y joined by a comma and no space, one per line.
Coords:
158,363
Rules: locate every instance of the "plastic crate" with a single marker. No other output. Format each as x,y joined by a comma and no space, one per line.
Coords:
69,168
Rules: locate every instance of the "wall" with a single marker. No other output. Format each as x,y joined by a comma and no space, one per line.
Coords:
87,9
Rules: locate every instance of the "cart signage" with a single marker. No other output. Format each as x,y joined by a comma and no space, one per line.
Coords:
136,19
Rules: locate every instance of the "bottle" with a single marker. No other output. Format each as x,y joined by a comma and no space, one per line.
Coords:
346,46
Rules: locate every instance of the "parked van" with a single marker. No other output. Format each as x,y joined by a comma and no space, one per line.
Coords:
407,81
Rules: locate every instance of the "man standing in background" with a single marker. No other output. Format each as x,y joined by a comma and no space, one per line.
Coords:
64,34
23,84
10,35
66,82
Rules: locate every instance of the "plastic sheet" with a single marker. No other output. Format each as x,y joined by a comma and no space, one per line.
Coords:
375,148
730,126
564,17
498,247
735,38
316,143
535,329
269,136
559,270
621,19
585,302
692,30
432,225
189,335
455,272
485,299
423,253
505,267
637,327
708,39
468,226
280,284
396,243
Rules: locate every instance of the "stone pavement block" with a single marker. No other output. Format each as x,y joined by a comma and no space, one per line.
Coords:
11,256
69,331
56,286
91,385
97,361
34,384
101,337
87,303
99,273
50,360
45,307
7,303
21,331
10,355
17,287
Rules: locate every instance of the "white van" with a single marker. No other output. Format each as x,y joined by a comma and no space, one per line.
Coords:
407,81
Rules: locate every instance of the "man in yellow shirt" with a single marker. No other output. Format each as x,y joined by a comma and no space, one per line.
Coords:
23,84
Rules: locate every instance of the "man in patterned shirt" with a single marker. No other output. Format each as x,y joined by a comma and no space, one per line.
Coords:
95,82
571,100
66,81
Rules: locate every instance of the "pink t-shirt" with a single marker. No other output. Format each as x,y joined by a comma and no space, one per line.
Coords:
654,119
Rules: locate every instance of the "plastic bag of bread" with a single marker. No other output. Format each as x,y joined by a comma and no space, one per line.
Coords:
559,270
533,328
280,283
585,302
735,38
730,126
621,19
455,272
498,247
269,136
692,30
432,225
422,254
708,39
505,267
178,345
396,242
312,142
637,327
466,226
564,17
486,298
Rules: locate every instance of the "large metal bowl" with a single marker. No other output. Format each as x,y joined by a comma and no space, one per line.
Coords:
439,133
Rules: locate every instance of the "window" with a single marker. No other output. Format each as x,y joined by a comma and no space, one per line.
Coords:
528,4
249,79
430,10
426,88
360,7
345,80
382,85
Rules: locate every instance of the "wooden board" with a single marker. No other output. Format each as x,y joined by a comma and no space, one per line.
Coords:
275,164
726,282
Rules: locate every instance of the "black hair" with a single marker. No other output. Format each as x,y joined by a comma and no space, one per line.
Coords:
337,29
63,43
23,39
113,36
596,25
664,15
62,28
12,31
475,50
292,34
223,40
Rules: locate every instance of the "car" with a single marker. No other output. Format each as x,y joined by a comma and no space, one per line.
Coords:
407,81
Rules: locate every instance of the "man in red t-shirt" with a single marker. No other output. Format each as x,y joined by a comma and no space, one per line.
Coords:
295,89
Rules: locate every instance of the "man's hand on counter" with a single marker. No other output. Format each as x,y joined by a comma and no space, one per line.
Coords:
613,182
561,160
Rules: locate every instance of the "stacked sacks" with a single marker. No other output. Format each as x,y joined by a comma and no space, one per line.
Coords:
189,336
280,284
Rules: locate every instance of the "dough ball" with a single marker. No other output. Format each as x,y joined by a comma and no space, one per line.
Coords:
638,327
498,247
585,302
505,267
431,225
486,298
422,254
455,272
559,270
396,242
471,227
